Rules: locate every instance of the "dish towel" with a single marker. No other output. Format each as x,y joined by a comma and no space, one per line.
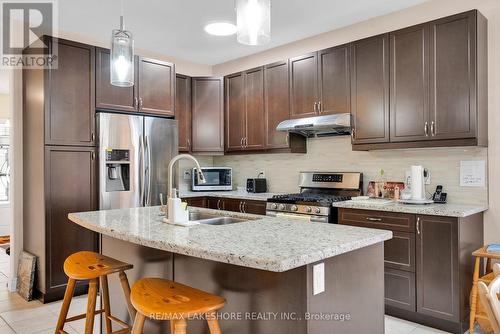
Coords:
493,248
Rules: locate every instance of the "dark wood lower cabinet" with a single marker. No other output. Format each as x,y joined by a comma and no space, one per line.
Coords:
228,204
428,264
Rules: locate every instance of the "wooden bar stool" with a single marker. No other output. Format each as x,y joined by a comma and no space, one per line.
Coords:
476,311
94,267
161,299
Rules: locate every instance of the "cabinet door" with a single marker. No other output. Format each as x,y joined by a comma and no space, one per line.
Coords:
199,202
109,97
437,267
334,80
304,85
232,204
183,111
453,76
70,111
370,89
70,181
409,84
207,115
235,112
276,103
254,207
399,252
400,289
215,203
255,138
156,87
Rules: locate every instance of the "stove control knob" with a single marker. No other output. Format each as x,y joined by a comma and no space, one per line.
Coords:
275,206
308,209
318,210
282,206
294,208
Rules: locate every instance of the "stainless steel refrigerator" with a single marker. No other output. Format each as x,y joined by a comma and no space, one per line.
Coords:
134,152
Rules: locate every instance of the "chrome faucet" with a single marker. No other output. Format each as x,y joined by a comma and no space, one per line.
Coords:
201,177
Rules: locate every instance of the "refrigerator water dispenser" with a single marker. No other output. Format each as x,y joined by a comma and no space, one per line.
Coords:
118,170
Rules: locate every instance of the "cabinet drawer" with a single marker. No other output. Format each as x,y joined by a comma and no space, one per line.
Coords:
378,219
400,289
399,252
196,201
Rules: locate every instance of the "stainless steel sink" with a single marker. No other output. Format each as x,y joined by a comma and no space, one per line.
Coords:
210,219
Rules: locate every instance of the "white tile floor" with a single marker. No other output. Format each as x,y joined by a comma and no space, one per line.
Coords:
18,316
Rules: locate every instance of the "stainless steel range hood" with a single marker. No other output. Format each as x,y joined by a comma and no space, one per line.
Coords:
319,126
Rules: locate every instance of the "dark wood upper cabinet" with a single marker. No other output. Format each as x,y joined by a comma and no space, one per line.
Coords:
453,77
276,103
255,138
183,111
370,89
409,84
109,97
207,115
156,86
437,267
235,120
70,181
304,85
70,108
334,80
153,91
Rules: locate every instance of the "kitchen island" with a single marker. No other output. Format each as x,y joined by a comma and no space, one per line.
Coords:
263,266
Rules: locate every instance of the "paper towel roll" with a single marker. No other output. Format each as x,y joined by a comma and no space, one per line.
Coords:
417,182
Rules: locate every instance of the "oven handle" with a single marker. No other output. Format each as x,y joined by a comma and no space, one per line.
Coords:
306,218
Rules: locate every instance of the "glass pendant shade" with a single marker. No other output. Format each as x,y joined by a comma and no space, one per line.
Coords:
253,19
122,58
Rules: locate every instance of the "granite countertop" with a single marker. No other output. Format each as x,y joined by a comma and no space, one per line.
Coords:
228,194
448,210
267,243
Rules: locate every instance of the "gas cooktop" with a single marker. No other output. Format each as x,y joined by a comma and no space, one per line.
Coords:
308,198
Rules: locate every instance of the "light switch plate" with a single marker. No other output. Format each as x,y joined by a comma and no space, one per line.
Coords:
318,278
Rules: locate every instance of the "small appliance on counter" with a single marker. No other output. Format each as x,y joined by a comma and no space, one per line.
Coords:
417,187
439,196
258,185
216,178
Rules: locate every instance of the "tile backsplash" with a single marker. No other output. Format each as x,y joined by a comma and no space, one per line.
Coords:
335,154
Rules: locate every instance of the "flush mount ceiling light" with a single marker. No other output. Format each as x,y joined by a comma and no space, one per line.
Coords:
253,19
220,29
122,56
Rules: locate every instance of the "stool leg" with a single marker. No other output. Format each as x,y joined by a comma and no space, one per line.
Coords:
179,326
213,324
473,298
138,323
126,292
89,320
68,295
105,301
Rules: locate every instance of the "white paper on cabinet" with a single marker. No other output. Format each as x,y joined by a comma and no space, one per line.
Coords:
473,173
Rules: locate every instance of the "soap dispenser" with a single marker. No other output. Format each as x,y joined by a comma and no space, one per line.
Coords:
176,212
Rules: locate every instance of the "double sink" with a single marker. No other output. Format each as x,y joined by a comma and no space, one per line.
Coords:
211,219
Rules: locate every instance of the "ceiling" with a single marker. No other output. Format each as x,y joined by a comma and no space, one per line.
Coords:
175,27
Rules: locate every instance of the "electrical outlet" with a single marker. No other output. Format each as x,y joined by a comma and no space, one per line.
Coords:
187,175
318,278
262,174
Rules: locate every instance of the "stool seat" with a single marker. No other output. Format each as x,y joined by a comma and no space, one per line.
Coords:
170,299
89,265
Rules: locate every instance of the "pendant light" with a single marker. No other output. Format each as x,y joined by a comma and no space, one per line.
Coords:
253,19
122,56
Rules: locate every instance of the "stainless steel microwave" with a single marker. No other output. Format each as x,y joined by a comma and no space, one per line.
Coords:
217,178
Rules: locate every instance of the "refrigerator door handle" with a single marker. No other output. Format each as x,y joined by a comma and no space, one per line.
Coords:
142,171
148,148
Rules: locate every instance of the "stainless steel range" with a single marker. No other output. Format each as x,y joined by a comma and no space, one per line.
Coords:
318,190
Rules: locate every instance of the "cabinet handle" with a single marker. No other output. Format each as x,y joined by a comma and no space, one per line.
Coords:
140,103
243,205
92,156
433,129
189,144
218,204
315,107
92,136
287,139
418,225
426,129
136,103
353,134
241,142
320,106
245,142
374,219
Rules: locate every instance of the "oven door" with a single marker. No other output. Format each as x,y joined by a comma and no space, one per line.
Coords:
217,178
304,217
